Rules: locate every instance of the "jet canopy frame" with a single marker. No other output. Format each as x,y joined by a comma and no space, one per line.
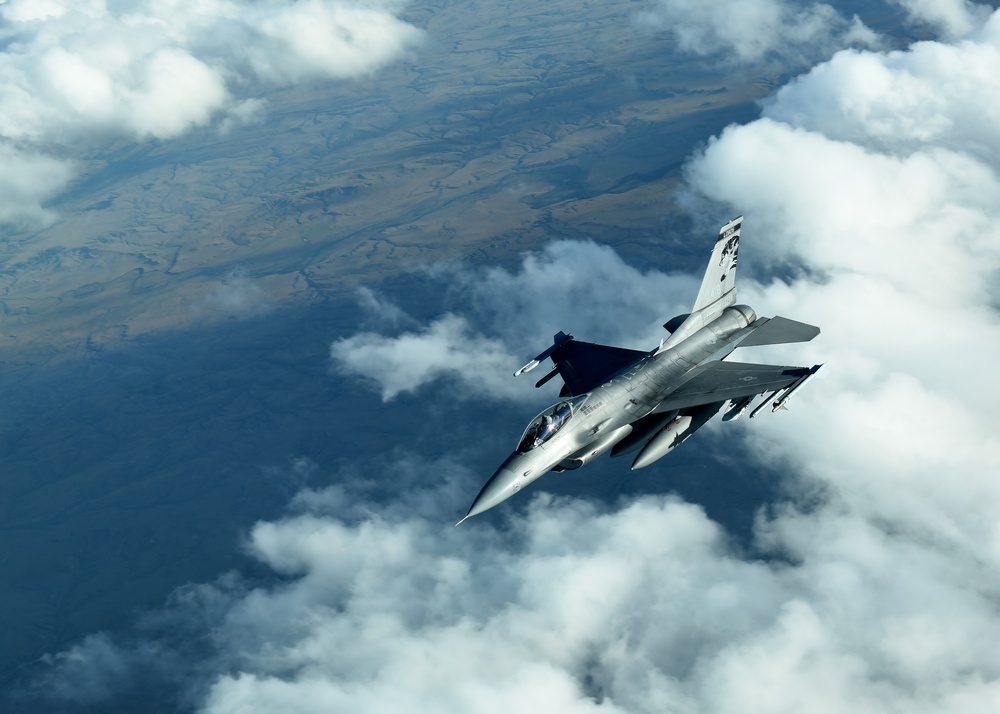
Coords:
547,424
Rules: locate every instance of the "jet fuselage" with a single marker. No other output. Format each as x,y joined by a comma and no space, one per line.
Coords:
606,416
624,400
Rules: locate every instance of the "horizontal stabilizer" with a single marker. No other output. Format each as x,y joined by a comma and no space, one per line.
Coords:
779,331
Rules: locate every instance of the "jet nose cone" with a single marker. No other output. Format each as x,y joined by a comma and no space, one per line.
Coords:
503,485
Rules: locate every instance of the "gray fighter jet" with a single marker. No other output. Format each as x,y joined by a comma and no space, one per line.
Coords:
625,400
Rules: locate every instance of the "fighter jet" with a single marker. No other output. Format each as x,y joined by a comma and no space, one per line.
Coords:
629,401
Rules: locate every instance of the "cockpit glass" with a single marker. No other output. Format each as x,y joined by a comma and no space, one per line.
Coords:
544,426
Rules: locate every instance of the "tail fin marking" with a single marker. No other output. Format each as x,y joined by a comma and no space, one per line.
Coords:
719,283
718,287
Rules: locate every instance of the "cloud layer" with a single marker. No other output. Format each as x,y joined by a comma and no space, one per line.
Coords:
951,19
872,588
880,211
738,32
577,287
890,206
76,72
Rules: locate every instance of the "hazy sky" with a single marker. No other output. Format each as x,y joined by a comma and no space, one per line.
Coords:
871,189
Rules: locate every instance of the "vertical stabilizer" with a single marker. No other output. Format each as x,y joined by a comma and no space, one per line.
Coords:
718,287
719,283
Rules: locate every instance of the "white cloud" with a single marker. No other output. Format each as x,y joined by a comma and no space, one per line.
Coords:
953,19
872,589
888,197
644,609
90,671
236,295
446,348
27,181
382,310
934,95
178,92
860,213
743,32
71,72
318,38
581,288
881,197
577,287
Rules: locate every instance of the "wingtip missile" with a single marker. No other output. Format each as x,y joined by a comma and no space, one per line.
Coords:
782,401
527,368
559,339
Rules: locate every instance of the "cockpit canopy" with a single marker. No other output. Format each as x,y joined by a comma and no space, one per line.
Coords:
544,426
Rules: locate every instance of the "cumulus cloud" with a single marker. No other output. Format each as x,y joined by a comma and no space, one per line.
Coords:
878,583
71,72
793,34
888,207
236,295
91,671
574,286
573,608
872,587
578,287
522,627
28,179
382,310
933,96
951,19
446,348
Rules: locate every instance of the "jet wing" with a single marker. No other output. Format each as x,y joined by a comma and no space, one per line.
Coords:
718,381
585,365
